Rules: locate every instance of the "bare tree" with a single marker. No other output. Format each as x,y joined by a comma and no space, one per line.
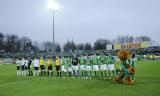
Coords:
57,47
1,41
80,46
69,46
142,38
100,44
88,46
25,44
48,46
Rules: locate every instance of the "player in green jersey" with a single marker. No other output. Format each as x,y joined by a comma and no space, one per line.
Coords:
69,65
63,67
110,65
82,65
103,65
88,67
95,66
133,64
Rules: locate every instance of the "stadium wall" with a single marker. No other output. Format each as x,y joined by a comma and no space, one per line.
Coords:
7,61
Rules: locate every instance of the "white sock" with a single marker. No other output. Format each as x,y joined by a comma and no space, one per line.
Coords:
22,73
37,73
49,73
17,73
34,73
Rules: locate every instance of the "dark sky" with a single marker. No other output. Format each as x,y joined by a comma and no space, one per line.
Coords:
82,20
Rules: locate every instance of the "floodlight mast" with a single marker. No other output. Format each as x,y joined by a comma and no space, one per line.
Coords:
52,5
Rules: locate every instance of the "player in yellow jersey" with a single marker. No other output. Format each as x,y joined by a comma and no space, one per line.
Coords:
58,66
50,63
42,67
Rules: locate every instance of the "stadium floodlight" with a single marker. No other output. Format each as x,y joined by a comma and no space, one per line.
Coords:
52,5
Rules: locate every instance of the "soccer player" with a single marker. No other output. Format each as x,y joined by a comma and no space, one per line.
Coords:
103,65
18,63
26,65
58,66
29,67
36,66
110,65
42,67
69,66
95,62
50,63
63,67
133,64
23,67
82,66
88,67
75,61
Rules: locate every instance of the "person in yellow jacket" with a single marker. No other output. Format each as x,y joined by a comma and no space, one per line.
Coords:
58,66
50,63
42,67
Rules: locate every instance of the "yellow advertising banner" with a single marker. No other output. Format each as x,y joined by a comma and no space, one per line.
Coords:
132,45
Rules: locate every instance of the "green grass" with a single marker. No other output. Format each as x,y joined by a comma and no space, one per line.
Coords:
147,84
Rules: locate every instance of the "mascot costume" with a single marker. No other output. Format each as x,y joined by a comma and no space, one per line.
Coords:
126,74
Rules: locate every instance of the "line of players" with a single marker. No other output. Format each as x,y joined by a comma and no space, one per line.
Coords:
99,66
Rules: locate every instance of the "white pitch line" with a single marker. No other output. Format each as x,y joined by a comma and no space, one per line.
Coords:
5,84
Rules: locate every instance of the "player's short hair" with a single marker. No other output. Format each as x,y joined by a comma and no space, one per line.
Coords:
20,58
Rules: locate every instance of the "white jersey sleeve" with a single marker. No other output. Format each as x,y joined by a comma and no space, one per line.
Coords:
26,62
18,63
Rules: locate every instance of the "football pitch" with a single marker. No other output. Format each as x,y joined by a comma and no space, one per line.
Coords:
147,84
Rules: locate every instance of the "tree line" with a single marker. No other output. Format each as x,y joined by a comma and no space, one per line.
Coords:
13,43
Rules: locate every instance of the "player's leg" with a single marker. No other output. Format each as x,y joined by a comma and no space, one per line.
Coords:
101,74
95,71
101,71
105,70
86,72
18,70
78,71
29,70
49,72
90,76
108,72
69,71
37,71
91,72
34,74
23,70
63,73
112,70
57,71
81,71
42,70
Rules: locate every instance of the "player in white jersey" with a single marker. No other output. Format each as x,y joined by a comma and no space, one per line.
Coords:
23,65
18,63
26,65
36,66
